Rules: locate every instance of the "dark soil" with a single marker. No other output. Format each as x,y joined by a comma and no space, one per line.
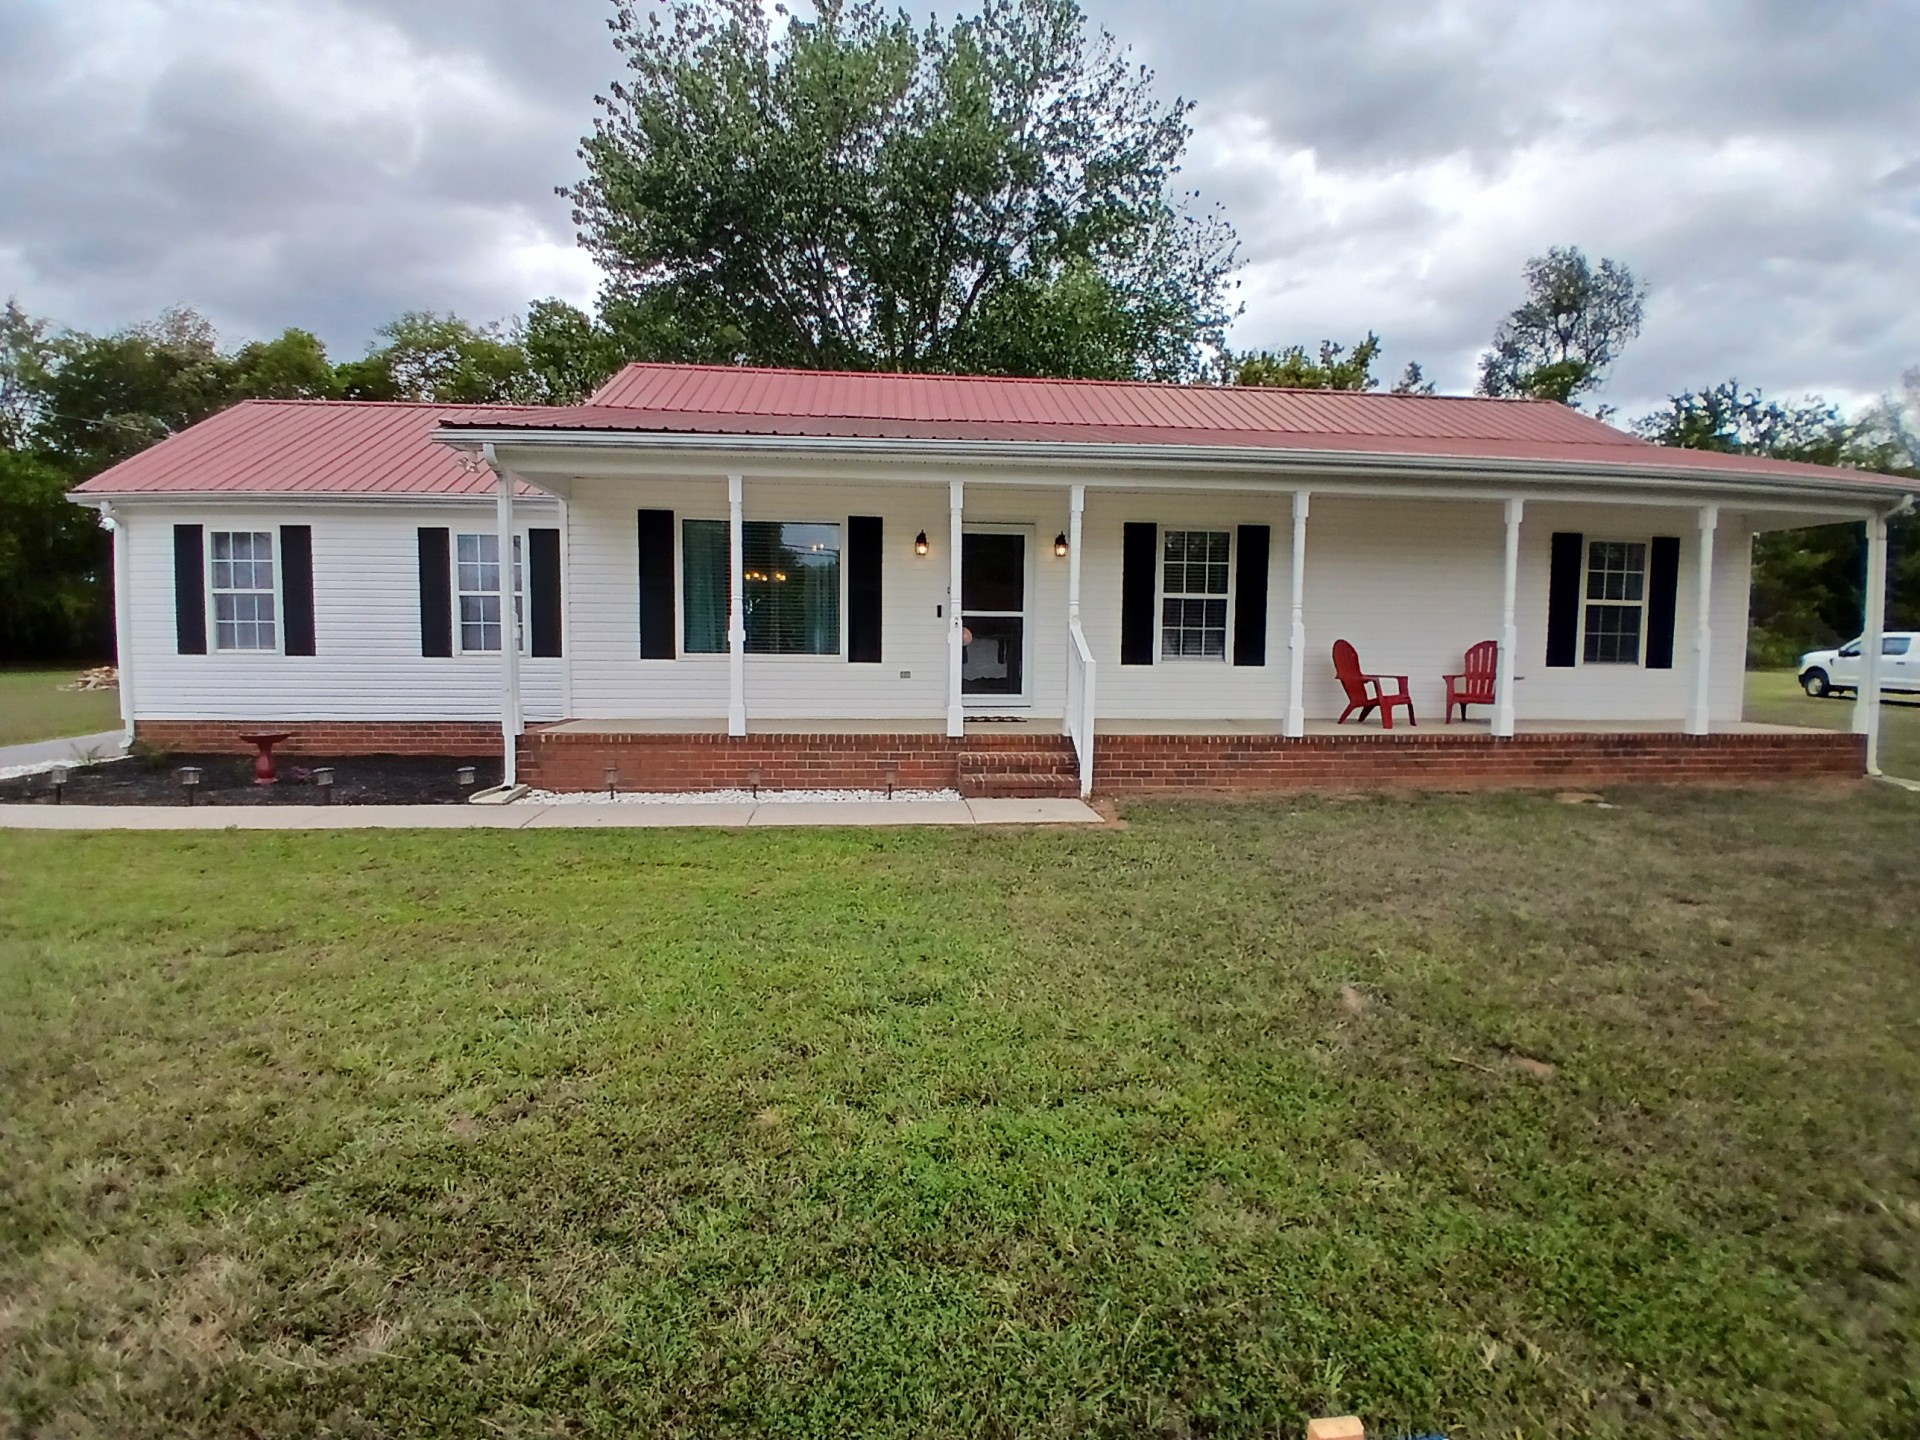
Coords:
228,780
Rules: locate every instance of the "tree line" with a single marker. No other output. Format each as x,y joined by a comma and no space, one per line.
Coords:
856,190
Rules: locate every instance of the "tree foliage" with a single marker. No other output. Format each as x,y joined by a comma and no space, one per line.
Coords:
1560,341
1334,368
1808,584
848,191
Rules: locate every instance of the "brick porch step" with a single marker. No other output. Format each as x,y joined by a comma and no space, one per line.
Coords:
1021,773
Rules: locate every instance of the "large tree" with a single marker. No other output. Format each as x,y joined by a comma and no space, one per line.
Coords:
1558,343
1808,583
850,191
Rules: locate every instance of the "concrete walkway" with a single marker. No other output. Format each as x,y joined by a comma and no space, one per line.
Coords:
524,816
20,759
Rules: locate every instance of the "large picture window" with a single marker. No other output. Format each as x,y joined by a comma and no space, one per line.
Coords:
1193,594
792,592
243,596
1616,602
477,588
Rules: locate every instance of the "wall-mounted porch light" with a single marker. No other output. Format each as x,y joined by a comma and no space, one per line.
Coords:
1060,545
920,543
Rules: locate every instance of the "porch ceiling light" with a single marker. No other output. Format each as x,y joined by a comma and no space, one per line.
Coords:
920,543
1060,545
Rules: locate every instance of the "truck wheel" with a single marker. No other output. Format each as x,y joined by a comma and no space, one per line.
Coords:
1816,683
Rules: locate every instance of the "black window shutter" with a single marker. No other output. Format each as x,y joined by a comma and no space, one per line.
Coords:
1663,588
296,587
189,589
864,558
1139,556
1250,597
656,585
436,590
543,593
1563,599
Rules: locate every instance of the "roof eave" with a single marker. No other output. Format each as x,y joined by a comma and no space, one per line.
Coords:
1135,456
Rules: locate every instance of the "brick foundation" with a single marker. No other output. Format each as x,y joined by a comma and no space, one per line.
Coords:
1141,764
323,737
1147,764
1024,762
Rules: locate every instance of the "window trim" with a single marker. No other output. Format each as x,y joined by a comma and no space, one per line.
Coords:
272,532
1232,531
1643,604
460,646
680,590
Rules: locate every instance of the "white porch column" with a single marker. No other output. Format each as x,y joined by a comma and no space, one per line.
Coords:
1866,707
1297,626
736,612
1076,513
122,617
1698,718
1503,682
956,713
509,626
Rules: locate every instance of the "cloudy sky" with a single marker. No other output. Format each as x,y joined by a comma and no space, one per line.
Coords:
1388,164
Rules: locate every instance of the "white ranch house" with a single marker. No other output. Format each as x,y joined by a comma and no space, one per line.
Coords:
724,575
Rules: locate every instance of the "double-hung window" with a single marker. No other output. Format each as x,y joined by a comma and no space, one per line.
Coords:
241,573
791,594
1616,602
477,588
1193,594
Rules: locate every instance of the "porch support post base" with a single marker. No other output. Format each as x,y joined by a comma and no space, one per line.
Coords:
1503,684
1297,627
956,711
736,610
1699,718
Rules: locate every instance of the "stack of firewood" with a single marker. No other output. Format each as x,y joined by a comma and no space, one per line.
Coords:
101,677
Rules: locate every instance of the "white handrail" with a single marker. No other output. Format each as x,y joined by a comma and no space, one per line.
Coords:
1080,694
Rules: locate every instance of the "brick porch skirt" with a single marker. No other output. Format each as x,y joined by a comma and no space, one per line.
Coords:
1123,764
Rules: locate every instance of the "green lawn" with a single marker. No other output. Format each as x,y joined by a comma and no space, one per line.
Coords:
1238,1114
34,707
1774,697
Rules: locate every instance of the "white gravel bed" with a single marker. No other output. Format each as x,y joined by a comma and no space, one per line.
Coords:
40,767
727,797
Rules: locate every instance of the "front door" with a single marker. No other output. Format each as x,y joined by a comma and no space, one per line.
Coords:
993,608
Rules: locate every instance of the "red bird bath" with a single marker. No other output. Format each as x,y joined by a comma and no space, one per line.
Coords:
263,755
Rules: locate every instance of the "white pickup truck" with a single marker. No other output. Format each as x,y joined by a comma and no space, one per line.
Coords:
1828,672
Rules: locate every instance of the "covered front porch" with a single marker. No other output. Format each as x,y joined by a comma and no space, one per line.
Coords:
1030,629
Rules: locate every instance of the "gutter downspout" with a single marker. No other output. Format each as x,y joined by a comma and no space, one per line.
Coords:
122,617
509,629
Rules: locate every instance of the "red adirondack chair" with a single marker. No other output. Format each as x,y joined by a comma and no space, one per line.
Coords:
1366,693
1475,685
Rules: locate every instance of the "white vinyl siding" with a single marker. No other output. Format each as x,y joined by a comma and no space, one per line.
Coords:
366,590
1411,583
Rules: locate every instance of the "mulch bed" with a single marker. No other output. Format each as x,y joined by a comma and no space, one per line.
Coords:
228,780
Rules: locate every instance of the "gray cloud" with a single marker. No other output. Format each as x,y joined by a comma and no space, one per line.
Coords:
1389,165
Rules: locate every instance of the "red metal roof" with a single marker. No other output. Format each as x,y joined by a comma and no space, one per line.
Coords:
278,447
306,447
732,400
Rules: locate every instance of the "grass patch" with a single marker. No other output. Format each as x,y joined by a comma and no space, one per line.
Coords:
34,707
1774,697
1489,1115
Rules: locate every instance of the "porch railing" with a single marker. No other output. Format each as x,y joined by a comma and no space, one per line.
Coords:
1080,675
